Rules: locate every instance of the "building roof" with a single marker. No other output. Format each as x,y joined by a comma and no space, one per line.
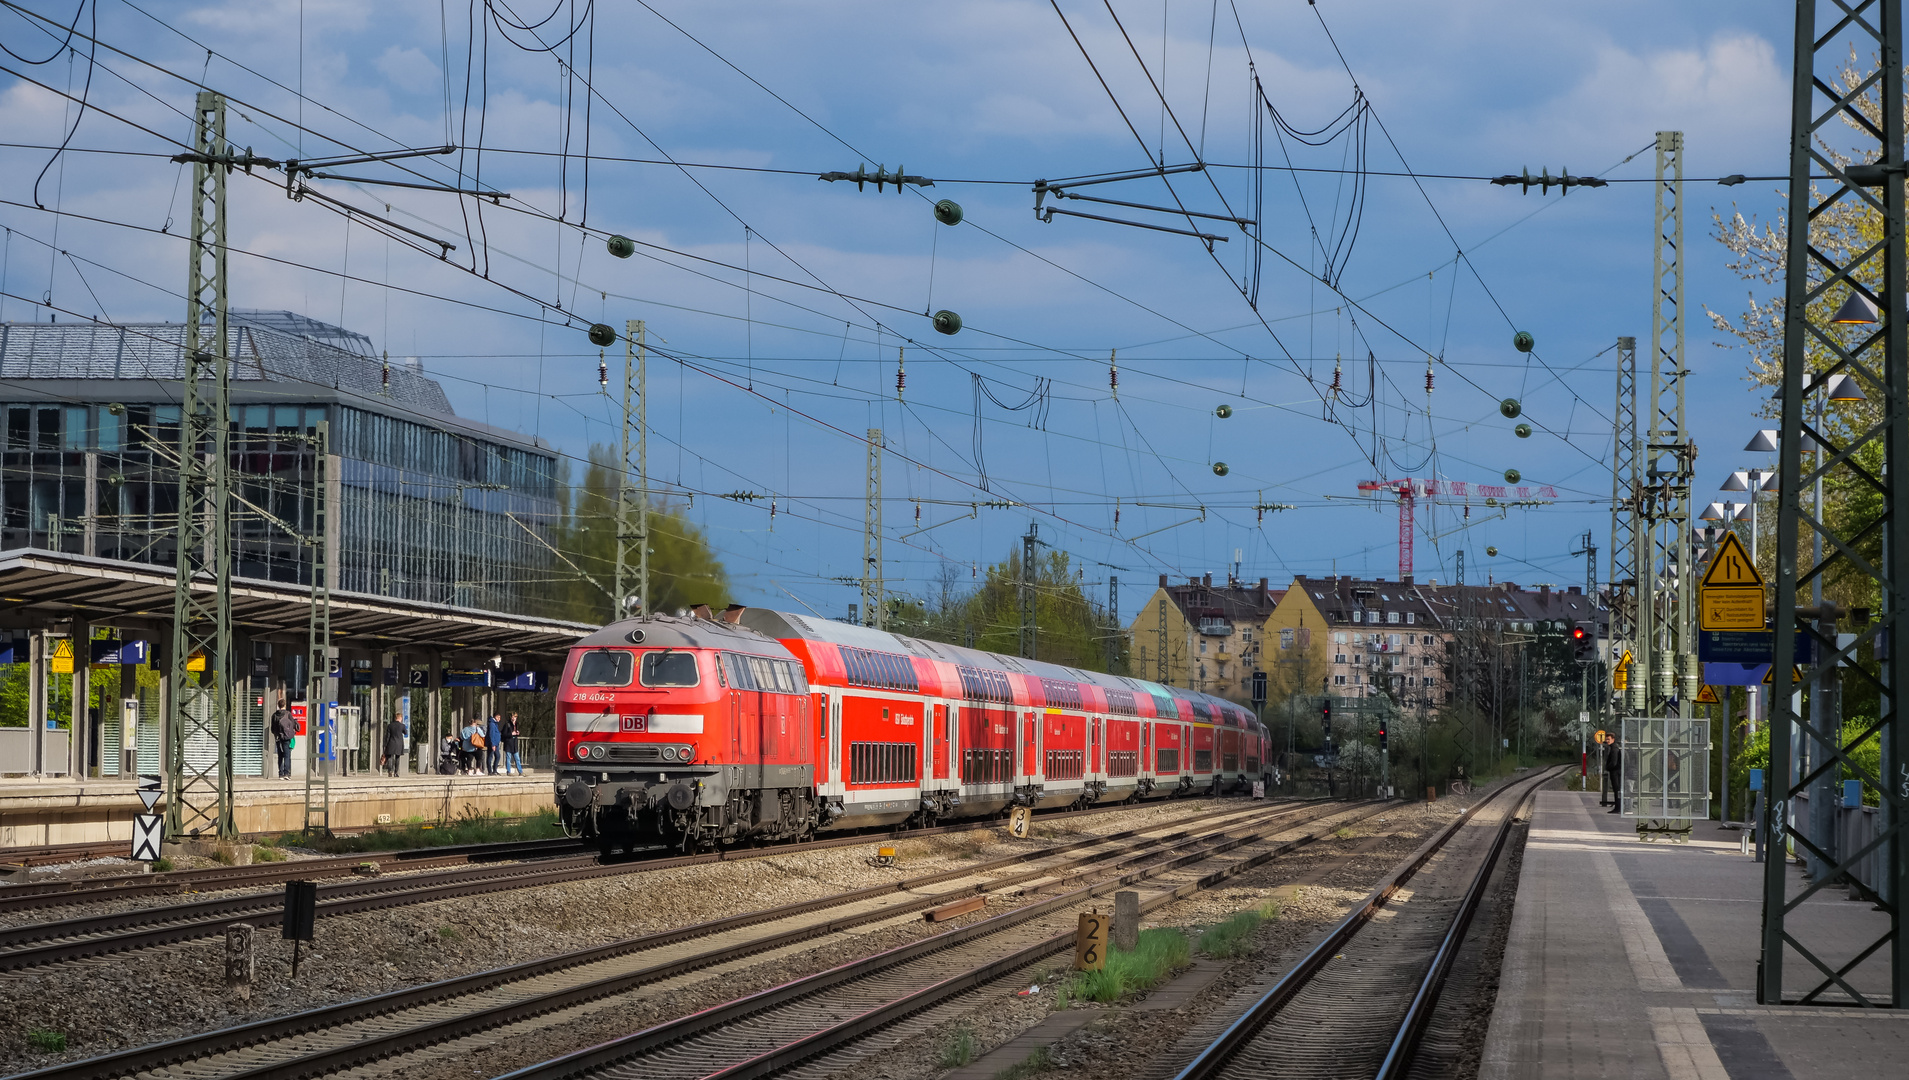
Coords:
266,346
1233,602
1442,605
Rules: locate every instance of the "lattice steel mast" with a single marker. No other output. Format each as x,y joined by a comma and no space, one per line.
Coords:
320,687
1859,546
633,495
1624,490
199,754
1666,607
873,588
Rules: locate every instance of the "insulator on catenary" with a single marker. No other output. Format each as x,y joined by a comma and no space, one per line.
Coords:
1428,374
1113,372
603,371
901,375
1335,376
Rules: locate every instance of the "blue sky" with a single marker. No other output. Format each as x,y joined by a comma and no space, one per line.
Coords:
785,299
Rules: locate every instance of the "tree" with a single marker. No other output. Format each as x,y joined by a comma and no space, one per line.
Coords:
684,569
1070,628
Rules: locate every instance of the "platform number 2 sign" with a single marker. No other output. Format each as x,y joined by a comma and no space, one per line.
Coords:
1090,942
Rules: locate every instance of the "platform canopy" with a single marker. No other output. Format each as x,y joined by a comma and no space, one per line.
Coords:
38,588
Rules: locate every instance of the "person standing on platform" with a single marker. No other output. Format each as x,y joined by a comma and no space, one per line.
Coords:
393,745
494,744
511,754
470,741
283,732
1614,772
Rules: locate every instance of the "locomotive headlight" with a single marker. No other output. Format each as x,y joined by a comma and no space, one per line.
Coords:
599,751
689,753
669,753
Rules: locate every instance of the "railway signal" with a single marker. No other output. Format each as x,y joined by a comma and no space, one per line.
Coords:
1381,736
1325,720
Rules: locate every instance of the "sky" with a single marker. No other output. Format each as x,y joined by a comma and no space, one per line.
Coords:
780,305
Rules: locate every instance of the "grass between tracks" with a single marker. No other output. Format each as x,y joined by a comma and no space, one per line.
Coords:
1155,956
1234,937
472,828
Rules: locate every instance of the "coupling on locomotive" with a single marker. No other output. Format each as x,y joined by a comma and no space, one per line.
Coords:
759,725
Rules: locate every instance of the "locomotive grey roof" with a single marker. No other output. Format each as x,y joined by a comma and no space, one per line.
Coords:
266,346
682,632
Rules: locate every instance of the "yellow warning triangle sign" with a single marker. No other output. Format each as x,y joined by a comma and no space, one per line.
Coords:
1731,565
1707,696
64,650
1795,679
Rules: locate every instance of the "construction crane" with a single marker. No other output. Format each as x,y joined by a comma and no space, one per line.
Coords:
1410,491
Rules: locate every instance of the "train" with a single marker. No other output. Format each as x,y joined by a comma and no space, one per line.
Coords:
757,726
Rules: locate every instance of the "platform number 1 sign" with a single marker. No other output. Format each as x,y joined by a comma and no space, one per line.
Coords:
1090,941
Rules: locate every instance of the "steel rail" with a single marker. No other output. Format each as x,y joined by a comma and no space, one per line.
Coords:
157,1056
1211,1060
1411,1029
619,1050
96,890
93,936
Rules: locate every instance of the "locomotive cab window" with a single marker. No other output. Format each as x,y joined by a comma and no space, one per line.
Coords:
607,667
669,669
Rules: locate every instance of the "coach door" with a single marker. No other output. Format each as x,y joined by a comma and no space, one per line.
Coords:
941,742
835,741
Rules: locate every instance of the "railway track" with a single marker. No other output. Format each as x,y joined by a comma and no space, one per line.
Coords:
1357,1004
354,1033
34,944
766,1032
42,894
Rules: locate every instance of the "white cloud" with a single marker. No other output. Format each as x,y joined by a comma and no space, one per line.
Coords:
410,70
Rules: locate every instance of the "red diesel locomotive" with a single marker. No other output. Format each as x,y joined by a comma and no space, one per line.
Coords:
762,725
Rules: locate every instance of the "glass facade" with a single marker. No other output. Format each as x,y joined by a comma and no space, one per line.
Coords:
423,513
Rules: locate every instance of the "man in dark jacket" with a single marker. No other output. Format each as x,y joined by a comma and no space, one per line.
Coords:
283,732
1614,772
493,744
393,745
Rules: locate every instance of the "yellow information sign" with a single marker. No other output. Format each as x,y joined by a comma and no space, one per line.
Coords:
61,662
1621,674
1730,596
1707,696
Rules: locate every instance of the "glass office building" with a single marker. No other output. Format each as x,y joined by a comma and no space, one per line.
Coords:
425,505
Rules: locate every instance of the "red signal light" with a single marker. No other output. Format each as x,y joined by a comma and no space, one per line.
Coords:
1579,633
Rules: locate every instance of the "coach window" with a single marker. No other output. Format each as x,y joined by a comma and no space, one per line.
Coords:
668,668
606,667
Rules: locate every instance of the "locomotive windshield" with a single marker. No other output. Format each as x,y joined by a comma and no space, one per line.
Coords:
605,667
668,669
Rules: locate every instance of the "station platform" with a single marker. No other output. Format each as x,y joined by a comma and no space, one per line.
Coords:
56,810
1633,959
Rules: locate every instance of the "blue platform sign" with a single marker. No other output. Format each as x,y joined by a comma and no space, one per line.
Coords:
527,680
467,677
327,731
1747,647
1756,779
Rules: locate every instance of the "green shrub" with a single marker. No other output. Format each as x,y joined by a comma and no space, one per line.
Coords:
959,1049
161,865
47,1042
449,933
1234,936
1154,957
267,853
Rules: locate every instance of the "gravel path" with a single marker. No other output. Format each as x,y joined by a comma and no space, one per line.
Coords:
375,952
